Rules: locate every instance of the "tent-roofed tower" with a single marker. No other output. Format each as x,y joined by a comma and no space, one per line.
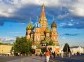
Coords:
54,34
29,30
43,19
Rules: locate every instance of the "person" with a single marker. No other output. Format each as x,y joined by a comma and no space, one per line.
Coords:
69,54
41,54
54,54
62,54
47,55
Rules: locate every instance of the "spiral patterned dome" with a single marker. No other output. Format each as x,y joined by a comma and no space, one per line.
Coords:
37,25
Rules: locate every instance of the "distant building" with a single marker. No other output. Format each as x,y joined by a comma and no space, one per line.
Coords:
5,49
41,33
77,49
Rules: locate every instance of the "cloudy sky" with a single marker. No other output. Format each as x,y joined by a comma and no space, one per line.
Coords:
68,14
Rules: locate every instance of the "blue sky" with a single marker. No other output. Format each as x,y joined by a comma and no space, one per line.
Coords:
68,15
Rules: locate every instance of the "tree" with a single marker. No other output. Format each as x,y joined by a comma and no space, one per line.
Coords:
48,41
0,43
22,45
51,43
66,49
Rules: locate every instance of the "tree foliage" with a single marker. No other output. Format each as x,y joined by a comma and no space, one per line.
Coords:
22,45
5,43
48,41
66,48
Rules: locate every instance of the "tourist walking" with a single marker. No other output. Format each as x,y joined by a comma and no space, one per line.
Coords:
53,54
47,55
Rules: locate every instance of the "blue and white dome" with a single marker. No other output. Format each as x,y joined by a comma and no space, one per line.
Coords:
37,25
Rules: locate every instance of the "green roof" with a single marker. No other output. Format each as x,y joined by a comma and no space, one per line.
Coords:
29,27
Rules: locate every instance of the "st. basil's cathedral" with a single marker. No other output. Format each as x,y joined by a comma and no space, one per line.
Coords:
41,33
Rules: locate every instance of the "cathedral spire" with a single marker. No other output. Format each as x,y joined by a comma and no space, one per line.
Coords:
43,20
43,11
43,16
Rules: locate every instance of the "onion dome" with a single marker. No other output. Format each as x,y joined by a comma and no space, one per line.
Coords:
29,27
47,30
37,25
53,24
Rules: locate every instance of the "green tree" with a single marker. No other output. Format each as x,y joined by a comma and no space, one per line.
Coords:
22,45
66,49
0,43
51,43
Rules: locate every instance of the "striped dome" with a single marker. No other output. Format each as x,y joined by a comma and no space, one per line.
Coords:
37,25
29,27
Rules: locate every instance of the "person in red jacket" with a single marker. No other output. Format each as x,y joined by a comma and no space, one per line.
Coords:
47,55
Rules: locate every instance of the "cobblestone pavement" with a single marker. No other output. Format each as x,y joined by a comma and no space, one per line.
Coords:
29,59
79,58
76,58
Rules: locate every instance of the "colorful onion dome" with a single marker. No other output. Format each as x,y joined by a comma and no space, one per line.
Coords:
53,24
37,25
30,26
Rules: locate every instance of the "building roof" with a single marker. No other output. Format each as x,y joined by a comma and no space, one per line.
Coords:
29,27
53,24
75,47
43,11
43,14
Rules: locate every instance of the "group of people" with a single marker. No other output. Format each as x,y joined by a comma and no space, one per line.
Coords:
51,54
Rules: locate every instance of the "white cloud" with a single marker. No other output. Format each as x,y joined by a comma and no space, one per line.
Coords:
40,2
78,11
70,24
14,32
66,24
63,16
77,8
62,24
7,39
8,7
7,13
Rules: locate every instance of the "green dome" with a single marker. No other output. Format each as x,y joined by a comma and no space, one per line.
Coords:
47,30
29,27
53,25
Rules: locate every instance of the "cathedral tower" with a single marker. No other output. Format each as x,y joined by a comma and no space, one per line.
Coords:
43,19
54,34
37,35
29,30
